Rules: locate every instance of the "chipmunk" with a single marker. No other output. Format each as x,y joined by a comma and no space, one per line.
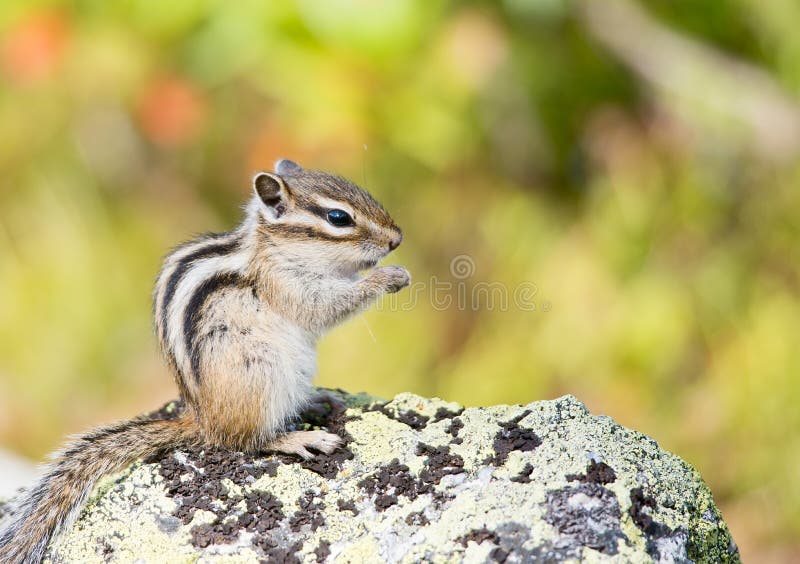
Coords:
238,316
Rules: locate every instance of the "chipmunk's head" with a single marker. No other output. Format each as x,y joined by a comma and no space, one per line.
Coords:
319,221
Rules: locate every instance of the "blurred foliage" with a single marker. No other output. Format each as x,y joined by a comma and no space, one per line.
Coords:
653,203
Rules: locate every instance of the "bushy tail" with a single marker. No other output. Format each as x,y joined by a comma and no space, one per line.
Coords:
52,504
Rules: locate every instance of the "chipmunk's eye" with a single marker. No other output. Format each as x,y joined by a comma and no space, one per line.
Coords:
339,218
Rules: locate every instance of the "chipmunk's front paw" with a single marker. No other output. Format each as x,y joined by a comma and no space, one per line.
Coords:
391,278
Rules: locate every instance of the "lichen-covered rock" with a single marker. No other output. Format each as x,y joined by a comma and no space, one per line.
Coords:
419,479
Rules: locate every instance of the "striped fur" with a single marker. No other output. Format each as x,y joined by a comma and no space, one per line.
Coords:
193,314
238,316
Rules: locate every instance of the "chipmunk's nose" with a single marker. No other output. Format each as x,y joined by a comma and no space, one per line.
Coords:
394,243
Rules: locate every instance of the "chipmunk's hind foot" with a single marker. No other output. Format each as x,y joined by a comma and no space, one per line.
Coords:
298,442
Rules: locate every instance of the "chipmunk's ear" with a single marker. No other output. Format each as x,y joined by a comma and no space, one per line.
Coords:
271,190
285,166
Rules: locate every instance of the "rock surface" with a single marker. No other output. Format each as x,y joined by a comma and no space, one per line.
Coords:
419,479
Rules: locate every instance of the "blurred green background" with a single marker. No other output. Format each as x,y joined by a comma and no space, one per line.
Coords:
637,162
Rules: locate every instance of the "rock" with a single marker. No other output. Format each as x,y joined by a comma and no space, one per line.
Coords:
419,479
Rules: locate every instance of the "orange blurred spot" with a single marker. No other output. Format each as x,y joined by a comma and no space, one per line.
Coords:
33,48
475,45
272,142
171,111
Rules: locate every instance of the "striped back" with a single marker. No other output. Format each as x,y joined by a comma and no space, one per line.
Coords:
191,274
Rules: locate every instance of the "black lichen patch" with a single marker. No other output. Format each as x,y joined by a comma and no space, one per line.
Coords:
600,473
596,473
443,413
524,476
264,512
322,551
455,423
640,512
478,536
347,505
196,483
586,515
439,463
512,437
509,538
393,480
214,533
310,513
278,550
498,554
418,421
326,465
455,426
413,419
417,519
385,501
270,467
380,407
660,537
